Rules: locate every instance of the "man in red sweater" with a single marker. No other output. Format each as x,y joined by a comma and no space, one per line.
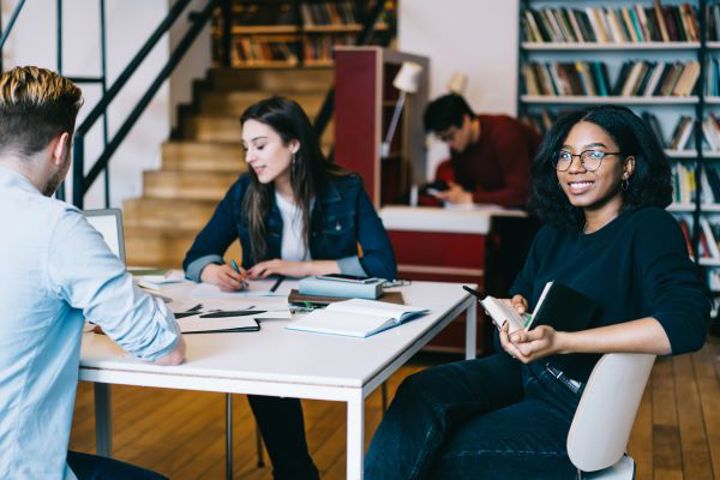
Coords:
490,155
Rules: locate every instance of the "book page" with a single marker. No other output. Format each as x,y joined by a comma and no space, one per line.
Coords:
373,307
500,312
341,323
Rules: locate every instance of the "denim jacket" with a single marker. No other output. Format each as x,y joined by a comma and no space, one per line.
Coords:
342,218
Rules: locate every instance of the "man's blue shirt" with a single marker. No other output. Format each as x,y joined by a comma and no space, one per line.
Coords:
56,271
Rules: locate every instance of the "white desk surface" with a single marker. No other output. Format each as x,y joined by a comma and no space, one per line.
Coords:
275,355
474,219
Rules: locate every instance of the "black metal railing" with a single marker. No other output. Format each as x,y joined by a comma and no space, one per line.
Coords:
83,182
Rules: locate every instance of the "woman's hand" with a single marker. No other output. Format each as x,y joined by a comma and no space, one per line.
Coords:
280,267
518,302
224,277
530,345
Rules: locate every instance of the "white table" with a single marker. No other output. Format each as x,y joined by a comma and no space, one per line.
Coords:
281,362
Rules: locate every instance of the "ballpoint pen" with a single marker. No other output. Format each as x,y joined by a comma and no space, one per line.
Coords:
235,267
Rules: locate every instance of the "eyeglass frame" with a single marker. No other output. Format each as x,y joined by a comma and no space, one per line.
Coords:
555,159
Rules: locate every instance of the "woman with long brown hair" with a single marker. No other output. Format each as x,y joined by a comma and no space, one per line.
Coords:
295,214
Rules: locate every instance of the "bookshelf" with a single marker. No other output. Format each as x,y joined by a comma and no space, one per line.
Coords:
603,36
293,33
364,102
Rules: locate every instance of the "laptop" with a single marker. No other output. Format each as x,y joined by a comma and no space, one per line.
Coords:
108,221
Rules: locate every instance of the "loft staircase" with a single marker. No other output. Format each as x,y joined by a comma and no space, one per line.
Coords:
205,157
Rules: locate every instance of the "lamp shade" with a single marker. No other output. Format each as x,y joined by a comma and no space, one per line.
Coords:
408,78
458,83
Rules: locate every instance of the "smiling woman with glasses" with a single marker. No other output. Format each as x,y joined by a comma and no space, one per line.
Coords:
600,182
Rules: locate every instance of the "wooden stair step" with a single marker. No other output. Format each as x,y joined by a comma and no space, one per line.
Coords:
213,128
272,80
187,185
199,156
235,102
156,247
223,128
179,214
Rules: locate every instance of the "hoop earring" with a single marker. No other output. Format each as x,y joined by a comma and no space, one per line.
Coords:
624,184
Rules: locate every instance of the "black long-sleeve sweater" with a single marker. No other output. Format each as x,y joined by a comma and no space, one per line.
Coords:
636,266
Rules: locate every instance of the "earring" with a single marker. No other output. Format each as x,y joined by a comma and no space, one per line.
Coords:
624,184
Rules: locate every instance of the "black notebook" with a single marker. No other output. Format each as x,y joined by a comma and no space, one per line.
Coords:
564,309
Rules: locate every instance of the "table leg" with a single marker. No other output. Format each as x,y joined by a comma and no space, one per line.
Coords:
471,331
355,437
103,425
228,436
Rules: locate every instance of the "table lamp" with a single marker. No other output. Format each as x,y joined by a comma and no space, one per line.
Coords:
457,83
406,81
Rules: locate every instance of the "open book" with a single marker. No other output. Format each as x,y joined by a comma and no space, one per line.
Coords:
559,306
356,318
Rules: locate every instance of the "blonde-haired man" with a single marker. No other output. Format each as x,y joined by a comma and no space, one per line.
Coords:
55,272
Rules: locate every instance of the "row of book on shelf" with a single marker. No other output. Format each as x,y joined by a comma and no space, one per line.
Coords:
251,51
633,24
328,13
636,78
685,184
256,51
681,139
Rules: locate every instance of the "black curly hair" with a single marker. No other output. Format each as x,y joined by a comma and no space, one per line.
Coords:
650,183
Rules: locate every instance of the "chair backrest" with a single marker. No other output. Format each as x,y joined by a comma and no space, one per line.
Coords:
601,426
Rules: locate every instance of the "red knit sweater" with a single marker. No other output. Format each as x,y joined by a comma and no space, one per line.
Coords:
496,169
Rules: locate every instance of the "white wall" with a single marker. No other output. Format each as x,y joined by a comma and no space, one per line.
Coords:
195,64
129,23
477,37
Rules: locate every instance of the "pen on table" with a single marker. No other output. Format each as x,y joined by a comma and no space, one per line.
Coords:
277,283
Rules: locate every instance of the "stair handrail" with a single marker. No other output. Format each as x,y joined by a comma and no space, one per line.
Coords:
82,182
322,119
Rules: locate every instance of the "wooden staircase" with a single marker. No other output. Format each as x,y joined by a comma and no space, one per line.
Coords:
200,165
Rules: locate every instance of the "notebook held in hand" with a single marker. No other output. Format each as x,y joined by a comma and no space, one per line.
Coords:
559,306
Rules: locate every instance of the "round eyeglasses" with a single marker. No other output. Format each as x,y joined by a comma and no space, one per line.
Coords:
590,159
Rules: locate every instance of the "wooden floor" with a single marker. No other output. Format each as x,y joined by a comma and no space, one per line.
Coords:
181,434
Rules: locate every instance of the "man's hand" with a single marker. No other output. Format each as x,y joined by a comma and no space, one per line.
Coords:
224,277
176,357
455,194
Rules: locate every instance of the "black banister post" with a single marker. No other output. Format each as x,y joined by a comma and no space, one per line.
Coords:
60,194
78,171
103,65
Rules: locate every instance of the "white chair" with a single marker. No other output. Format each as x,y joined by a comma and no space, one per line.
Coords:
605,415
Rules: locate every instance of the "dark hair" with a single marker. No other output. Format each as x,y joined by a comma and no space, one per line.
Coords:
650,183
445,112
308,172
36,105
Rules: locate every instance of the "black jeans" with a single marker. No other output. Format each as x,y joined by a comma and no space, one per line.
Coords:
93,467
281,423
490,418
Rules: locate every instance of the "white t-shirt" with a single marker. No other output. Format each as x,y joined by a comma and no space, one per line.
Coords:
294,248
